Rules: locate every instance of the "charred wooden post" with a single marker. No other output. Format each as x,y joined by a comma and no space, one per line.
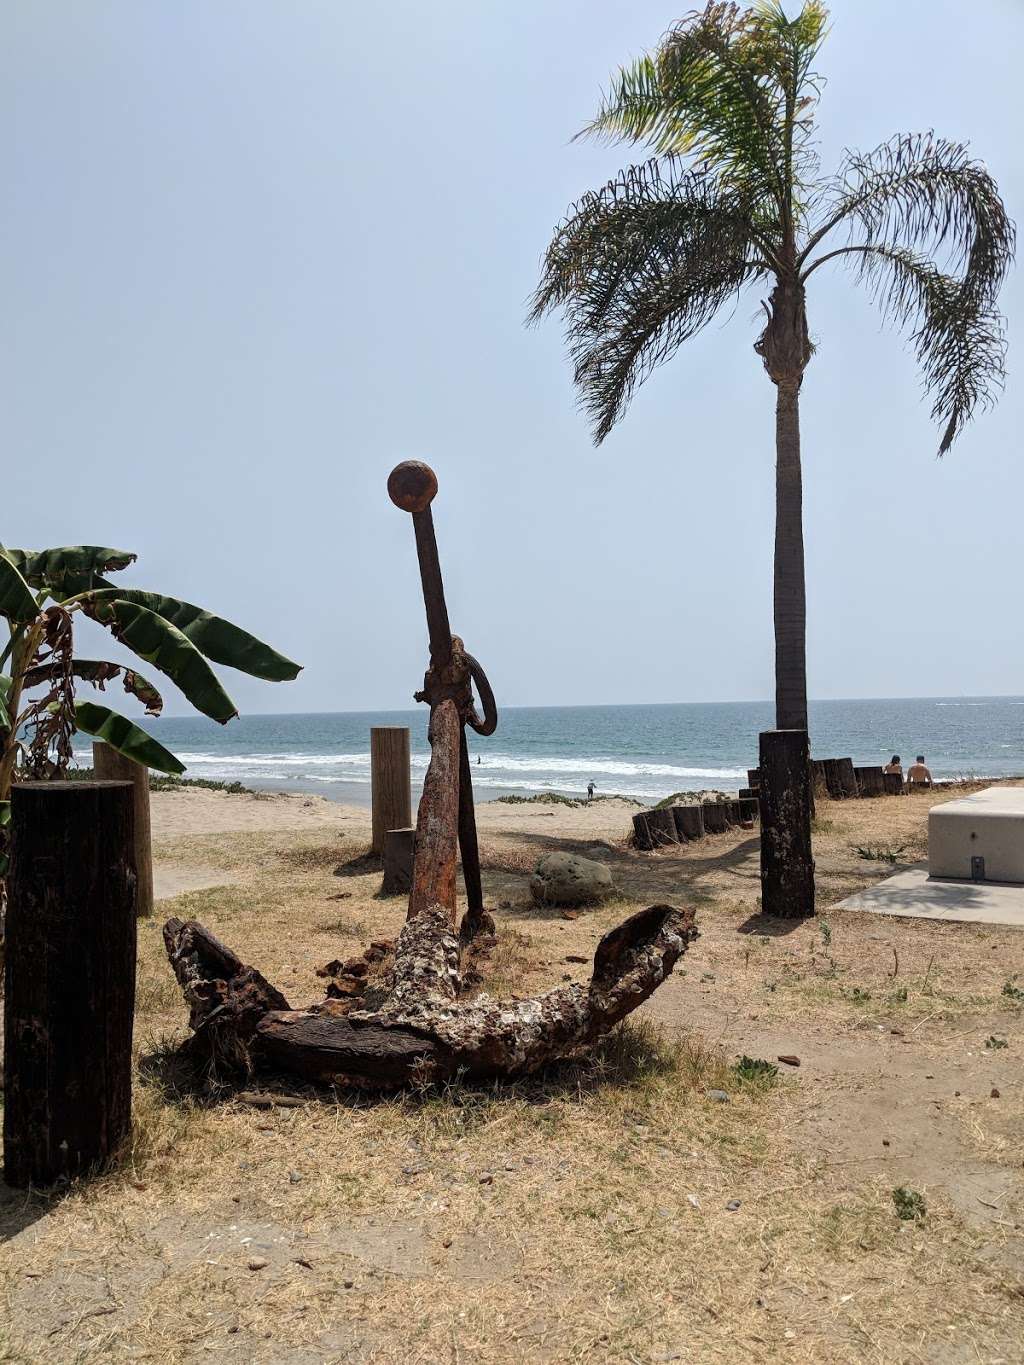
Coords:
689,822
716,820
893,783
870,781
787,865
750,808
847,777
754,777
110,766
833,779
819,780
399,849
69,994
662,826
390,782
642,837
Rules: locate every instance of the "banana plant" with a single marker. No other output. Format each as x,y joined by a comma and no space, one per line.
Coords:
41,594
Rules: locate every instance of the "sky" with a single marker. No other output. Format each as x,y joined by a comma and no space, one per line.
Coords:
255,253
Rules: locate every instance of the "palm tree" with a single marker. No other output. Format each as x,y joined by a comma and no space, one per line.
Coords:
733,196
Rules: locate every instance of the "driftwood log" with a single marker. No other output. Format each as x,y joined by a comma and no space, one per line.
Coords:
415,1025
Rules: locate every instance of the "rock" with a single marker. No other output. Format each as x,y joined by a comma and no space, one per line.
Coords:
693,1201
993,1094
257,1262
487,1178
568,879
295,1177
733,1205
789,1058
719,1096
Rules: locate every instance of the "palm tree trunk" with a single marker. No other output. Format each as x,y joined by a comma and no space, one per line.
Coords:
790,591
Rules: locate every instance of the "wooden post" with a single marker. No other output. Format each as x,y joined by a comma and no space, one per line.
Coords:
399,846
893,783
870,781
716,819
847,777
641,832
819,781
749,808
69,978
110,766
833,778
754,777
787,867
390,782
689,823
662,826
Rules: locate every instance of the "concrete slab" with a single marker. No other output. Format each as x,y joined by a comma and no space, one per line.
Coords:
916,895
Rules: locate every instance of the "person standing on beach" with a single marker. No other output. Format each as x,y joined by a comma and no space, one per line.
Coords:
590,790
918,775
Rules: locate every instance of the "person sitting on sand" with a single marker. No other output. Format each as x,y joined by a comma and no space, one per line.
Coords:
918,775
894,765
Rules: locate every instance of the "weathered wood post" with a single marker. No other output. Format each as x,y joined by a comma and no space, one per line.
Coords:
399,850
69,979
716,818
689,822
110,766
787,867
870,781
390,782
662,827
641,832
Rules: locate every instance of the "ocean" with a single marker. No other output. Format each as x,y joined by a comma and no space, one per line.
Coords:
640,751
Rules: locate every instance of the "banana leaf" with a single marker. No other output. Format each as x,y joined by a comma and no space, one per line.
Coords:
16,600
58,570
98,672
128,739
5,692
218,639
163,645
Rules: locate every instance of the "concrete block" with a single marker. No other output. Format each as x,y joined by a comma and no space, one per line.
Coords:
988,825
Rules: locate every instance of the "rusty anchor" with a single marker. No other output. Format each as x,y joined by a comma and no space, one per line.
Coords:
446,813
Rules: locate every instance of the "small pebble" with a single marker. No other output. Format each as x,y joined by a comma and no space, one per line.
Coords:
719,1096
348,1283
693,1201
295,1177
257,1262
733,1205
993,1094
487,1178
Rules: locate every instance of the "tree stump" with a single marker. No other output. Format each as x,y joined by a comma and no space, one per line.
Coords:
787,865
110,766
662,826
689,823
819,780
390,782
70,979
399,848
892,784
716,820
870,781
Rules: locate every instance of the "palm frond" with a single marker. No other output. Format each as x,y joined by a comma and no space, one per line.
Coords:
732,87
924,193
639,267
958,337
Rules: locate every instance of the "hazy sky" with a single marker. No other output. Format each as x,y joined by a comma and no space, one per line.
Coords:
255,253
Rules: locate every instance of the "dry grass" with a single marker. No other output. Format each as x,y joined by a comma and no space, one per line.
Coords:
583,1216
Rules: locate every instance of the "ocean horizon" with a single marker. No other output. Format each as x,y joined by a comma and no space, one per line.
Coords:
645,751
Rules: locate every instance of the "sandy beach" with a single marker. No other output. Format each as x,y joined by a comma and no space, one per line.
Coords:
613,1210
